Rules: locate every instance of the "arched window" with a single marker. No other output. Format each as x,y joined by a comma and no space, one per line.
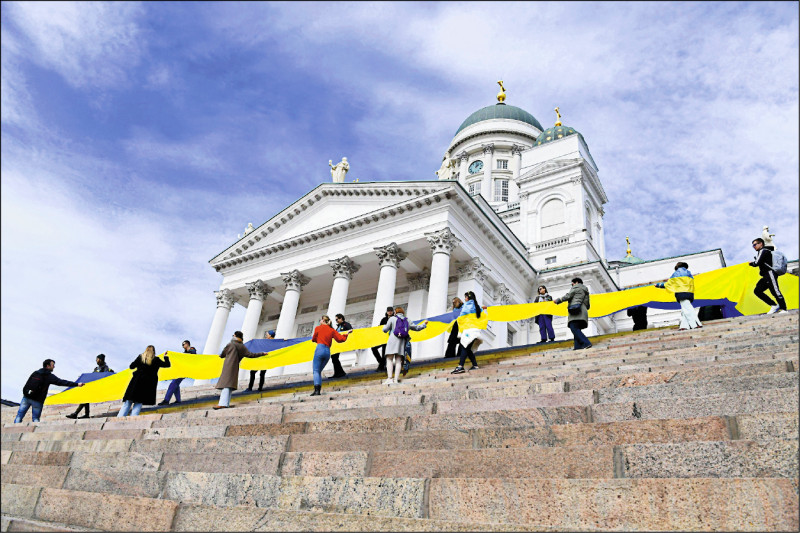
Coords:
554,222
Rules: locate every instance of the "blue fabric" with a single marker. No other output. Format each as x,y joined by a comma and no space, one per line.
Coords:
268,345
26,404
468,308
681,272
321,356
580,339
546,327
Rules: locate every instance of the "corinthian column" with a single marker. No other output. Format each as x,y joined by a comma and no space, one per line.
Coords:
488,161
258,293
417,287
513,187
294,282
472,275
462,167
389,258
343,270
442,243
225,301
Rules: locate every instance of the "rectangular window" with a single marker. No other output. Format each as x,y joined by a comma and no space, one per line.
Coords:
550,260
475,188
501,190
502,164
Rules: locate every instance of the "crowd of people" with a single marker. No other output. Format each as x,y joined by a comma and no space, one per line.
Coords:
395,355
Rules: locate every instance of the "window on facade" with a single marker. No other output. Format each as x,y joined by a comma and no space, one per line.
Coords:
550,260
553,219
589,223
510,337
502,164
475,188
500,190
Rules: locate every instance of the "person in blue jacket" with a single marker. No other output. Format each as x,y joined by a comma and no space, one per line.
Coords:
681,282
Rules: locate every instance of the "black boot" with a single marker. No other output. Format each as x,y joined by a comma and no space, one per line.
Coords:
317,389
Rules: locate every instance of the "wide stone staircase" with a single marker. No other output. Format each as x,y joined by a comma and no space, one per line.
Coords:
653,430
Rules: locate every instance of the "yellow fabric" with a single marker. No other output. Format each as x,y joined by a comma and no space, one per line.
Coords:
734,283
679,284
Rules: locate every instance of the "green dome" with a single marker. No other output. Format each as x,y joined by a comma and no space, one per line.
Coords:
556,132
631,259
500,111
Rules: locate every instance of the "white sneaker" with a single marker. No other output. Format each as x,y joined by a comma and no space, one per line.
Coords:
774,309
388,381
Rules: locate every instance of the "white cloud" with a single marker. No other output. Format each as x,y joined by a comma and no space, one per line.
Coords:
88,43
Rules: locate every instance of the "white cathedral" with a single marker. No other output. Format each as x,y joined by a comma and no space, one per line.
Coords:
515,206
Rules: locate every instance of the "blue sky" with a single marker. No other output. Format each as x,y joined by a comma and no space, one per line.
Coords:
139,139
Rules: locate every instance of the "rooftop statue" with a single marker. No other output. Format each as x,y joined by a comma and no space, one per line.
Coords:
767,236
339,170
446,171
248,229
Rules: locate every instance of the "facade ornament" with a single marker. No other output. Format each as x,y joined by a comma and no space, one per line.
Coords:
601,211
225,298
339,170
558,118
473,269
248,229
442,241
463,156
419,280
577,180
391,254
767,236
503,294
447,169
344,267
295,280
517,149
488,148
258,290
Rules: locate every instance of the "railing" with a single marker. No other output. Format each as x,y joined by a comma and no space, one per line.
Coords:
552,243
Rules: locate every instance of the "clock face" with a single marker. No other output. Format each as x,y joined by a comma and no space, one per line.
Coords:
476,166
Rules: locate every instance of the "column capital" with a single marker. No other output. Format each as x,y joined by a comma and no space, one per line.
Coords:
442,241
391,255
517,149
225,298
472,269
503,294
419,280
343,267
488,148
576,179
295,280
258,290
462,155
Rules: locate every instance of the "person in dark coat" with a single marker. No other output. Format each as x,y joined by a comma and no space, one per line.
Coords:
578,319
233,354
380,351
639,316
101,367
142,387
262,373
35,390
545,322
453,342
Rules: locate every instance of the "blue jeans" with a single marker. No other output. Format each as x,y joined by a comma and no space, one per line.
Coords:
321,357
225,396
126,408
546,327
174,388
26,404
580,339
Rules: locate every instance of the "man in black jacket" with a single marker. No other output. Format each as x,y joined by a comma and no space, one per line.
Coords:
380,351
341,325
101,367
35,390
768,279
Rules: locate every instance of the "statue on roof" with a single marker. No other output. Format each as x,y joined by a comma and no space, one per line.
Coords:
339,170
767,236
248,229
447,169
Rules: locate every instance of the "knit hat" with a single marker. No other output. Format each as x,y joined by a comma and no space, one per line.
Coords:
271,333
102,357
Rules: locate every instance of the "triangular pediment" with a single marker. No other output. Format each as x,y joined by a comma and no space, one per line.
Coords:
328,204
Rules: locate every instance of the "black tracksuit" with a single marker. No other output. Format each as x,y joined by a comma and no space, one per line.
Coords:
768,279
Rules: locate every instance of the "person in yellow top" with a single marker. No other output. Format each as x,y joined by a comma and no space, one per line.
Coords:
681,282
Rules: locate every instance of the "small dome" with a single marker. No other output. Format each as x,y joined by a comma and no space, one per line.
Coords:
631,259
554,133
500,111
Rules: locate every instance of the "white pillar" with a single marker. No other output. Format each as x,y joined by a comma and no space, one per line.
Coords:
294,282
343,270
418,288
225,301
389,258
462,168
472,275
486,186
258,293
442,243
513,187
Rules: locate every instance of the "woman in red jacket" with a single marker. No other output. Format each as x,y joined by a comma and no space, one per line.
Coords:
324,335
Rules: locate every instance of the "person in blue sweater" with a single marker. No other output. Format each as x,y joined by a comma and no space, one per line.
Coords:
681,282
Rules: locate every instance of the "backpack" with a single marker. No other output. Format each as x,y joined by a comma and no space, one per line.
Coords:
778,262
401,328
35,386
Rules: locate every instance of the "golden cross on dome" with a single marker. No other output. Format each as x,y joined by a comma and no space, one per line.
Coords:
628,251
558,120
501,96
